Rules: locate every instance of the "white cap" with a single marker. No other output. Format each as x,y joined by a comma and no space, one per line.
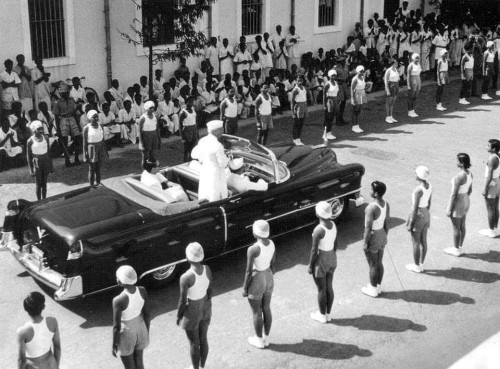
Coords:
443,51
415,55
422,172
236,164
149,104
489,44
126,275
36,124
91,113
214,124
332,72
194,252
260,228
323,210
360,69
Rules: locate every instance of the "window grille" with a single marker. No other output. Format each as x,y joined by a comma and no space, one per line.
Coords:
251,14
158,22
47,28
326,13
390,8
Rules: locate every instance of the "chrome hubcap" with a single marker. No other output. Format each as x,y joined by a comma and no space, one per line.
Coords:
164,273
337,207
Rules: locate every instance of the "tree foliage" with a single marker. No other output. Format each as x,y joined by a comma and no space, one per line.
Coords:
179,27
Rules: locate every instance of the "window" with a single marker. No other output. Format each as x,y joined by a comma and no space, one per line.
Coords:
251,17
47,29
158,22
326,13
390,8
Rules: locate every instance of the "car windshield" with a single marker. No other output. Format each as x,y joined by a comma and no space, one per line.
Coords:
261,160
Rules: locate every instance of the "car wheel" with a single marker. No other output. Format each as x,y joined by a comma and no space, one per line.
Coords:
339,208
162,277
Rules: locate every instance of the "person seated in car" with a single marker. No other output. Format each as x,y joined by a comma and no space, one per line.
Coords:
173,192
238,182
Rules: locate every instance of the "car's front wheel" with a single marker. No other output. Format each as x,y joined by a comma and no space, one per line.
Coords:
162,277
339,208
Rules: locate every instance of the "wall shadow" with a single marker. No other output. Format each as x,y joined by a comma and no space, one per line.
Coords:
380,323
427,297
321,349
467,275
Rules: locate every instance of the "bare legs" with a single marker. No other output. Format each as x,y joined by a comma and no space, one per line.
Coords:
262,316
198,343
325,293
458,231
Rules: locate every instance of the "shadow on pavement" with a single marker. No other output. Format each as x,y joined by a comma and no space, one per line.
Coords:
321,349
468,275
490,257
428,297
380,323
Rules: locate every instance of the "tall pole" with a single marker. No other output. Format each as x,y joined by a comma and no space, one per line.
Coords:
292,13
109,67
362,13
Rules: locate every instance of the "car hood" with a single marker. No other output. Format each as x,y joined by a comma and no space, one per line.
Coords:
302,160
87,213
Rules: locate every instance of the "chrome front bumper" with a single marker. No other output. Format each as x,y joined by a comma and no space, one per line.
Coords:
65,288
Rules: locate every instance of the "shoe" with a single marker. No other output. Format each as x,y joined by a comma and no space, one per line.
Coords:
328,318
256,342
379,290
422,268
318,317
414,268
389,120
415,115
486,97
266,341
463,102
452,251
298,142
330,136
356,129
369,290
497,93
393,120
488,233
440,107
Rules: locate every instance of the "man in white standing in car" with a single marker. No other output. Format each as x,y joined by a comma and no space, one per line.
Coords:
210,153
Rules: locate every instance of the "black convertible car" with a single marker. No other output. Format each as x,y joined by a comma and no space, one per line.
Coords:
75,241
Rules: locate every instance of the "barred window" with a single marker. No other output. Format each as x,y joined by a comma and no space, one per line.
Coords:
251,14
47,28
326,13
158,22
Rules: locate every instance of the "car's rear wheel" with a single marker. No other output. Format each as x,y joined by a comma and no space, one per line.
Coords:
162,277
339,208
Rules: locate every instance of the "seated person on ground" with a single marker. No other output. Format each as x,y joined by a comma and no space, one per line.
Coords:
173,192
238,182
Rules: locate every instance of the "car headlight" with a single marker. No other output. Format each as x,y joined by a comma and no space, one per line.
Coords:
75,251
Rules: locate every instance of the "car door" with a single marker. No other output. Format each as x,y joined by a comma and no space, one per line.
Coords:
241,211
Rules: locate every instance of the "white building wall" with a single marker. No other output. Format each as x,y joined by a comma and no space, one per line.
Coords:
129,62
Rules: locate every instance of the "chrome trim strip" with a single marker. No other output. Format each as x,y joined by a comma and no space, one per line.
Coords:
101,290
225,225
310,206
160,267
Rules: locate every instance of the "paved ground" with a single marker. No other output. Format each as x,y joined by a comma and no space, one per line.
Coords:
429,320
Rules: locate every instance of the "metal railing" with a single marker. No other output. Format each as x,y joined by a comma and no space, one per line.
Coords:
326,13
47,28
251,17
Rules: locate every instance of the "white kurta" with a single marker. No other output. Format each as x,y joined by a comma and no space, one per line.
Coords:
210,153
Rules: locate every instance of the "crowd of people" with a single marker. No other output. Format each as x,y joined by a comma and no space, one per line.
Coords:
261,78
